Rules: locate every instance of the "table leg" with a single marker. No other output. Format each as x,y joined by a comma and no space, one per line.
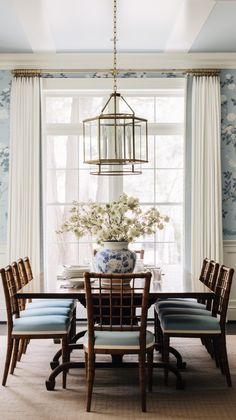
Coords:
50,383
55,361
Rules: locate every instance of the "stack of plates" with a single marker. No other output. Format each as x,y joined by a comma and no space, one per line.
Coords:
74,271
115,282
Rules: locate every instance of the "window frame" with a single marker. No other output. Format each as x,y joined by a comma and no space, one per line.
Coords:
97,86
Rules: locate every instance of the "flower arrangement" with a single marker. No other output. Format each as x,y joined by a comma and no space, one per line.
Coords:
120,220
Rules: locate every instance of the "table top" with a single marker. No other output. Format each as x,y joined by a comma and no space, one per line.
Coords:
175,282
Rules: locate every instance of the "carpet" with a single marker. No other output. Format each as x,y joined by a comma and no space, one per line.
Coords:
116,391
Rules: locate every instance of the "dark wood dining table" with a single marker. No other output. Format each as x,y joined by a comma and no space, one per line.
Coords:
175,283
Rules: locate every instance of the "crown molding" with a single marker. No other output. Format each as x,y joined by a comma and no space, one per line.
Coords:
128,61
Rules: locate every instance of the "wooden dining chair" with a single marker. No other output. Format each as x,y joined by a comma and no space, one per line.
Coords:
209,326
41,308
113,327
30,327
208,276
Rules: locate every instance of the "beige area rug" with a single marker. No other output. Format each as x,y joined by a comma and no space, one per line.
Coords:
116,391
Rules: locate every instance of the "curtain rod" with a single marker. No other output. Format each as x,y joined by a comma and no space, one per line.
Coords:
40,72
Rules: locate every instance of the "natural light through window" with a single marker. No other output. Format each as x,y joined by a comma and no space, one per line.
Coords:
66,178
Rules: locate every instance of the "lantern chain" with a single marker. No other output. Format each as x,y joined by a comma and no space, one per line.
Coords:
114,50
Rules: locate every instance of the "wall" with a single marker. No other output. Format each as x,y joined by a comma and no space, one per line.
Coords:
228,96
5,85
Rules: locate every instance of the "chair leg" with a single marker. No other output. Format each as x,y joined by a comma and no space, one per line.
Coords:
26,342
217,357
73,326
8,360
209,346
157,331
150,368
86,364
65,358
224,359
90,379
166,345
155,326
20,351
142,380
14,355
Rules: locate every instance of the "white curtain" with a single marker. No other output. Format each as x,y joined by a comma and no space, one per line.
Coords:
206,221
24,174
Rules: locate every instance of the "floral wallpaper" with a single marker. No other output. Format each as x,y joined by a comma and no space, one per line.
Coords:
228,132
228,154
5,86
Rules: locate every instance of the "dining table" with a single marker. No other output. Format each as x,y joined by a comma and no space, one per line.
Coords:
175,282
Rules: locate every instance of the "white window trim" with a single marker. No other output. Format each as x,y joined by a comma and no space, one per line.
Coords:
96,86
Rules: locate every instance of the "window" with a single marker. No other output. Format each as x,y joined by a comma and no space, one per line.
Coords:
66,178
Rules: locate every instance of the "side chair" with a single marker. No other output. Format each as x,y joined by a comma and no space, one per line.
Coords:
208,326
29,327
208,277
113,327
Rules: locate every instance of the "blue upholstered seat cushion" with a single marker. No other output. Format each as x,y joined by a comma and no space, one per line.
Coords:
193,324
56,303
177,299
41,325
126,340
46,311
74,301
182,311
178,304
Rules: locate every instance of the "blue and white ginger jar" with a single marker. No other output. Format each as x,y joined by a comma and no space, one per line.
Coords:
115,257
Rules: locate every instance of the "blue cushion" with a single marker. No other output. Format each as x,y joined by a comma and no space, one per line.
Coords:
184,311
190,324
177,299
46,311
57,303
126,340
178,304
50,300
41,324
182,299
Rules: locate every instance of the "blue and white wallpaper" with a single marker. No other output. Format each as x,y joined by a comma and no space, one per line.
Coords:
228,137
228,153
5,86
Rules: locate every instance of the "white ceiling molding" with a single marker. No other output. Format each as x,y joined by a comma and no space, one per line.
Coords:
127,61
37,30
188,24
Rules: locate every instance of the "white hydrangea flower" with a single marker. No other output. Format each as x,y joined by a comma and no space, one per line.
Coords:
120,220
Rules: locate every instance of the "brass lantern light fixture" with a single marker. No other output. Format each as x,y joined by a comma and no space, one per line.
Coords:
115,141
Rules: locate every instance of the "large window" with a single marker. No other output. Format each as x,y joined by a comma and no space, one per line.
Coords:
67,178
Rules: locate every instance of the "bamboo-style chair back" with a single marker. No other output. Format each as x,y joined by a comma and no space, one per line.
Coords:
25,271
208,277
22,272
28,268
204,270
18,283
222,292
10,289
113,308
211,276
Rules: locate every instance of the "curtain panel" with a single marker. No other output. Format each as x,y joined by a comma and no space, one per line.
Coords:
24,173
206,213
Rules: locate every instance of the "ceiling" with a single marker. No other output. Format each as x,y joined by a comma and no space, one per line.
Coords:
74,26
